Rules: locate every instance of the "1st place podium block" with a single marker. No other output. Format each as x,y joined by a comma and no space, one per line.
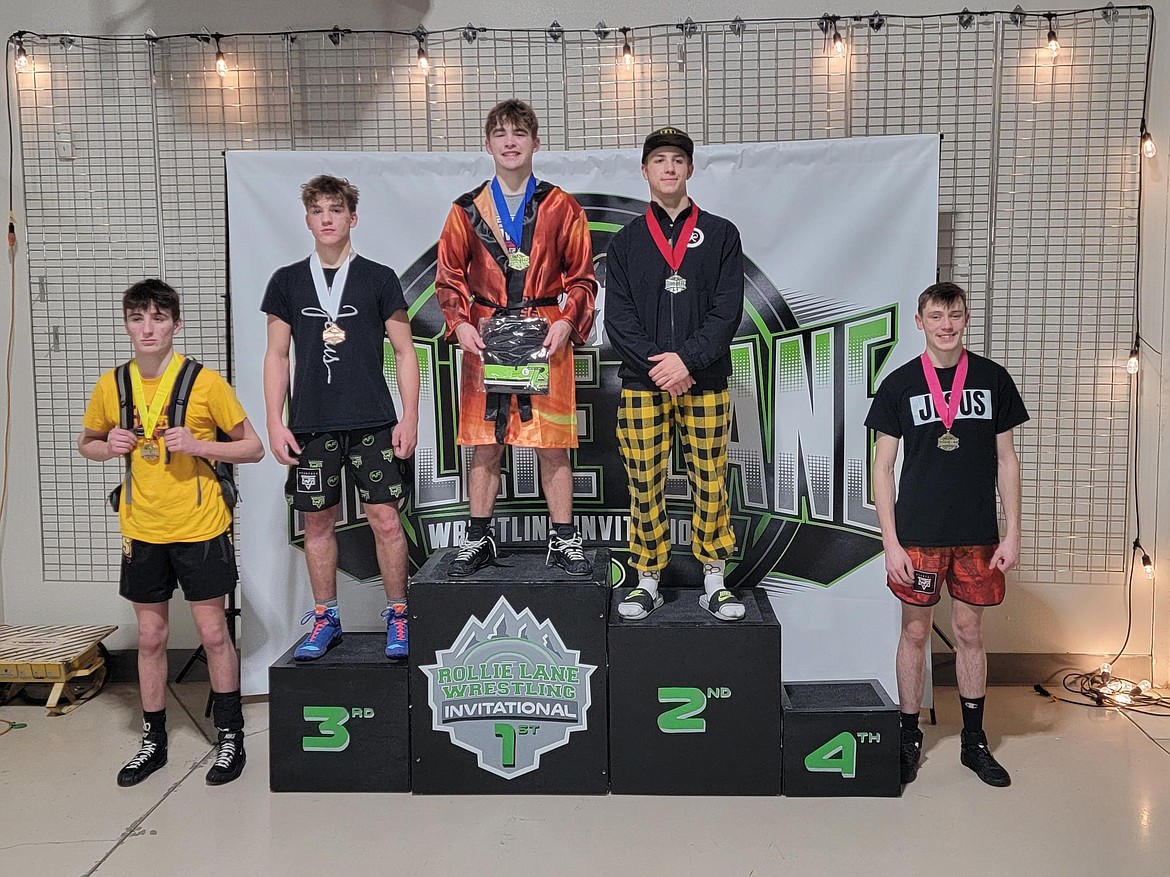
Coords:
340,723
508,677
694,702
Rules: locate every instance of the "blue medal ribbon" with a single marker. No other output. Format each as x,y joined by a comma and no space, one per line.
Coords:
513,226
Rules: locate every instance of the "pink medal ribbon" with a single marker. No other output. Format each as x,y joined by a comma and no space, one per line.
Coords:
946,410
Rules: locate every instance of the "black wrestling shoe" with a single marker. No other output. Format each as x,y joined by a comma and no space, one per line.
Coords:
473,556
151,756
909,754
975,755
229,763
568,555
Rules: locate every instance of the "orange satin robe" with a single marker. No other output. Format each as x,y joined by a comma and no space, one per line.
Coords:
560,262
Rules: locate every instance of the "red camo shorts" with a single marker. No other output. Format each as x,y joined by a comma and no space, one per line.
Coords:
966,569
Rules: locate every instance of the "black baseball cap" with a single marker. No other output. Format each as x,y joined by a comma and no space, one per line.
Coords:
668,136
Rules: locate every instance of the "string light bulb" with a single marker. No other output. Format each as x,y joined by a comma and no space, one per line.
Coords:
838,43
1148,566
1053,42
20,58
1134,362
1149,150
424,59
221,65
627,49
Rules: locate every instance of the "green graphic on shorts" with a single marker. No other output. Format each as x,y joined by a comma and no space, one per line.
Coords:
364,494
319,502
376,475
355,460
531,376
396,491
388,454
368,440
331,445
334,480
316,464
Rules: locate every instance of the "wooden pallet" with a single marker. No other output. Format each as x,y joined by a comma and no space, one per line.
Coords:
66,656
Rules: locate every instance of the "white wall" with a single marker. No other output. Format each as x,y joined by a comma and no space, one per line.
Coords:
1050,618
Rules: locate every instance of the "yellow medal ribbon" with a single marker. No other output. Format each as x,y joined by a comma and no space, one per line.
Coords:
149,414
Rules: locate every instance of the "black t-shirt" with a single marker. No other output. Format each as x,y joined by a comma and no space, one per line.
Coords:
947,497
339,386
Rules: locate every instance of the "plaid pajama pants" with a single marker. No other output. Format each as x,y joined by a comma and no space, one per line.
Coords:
645,426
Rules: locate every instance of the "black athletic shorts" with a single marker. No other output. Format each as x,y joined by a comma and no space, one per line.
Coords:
151,570
367,454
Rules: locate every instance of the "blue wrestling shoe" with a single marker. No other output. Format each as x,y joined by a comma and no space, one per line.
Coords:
397,634
326,633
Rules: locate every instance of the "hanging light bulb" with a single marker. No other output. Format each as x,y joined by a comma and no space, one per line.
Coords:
1053,42
20,58
1149,150
1134,362
1148,566
221,65
627,49
424,60
838,43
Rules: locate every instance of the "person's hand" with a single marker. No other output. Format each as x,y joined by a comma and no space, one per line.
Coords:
283,445
677,388
469,339
121,441
1007,554
558,334
669,371
899,567
404,438
180,440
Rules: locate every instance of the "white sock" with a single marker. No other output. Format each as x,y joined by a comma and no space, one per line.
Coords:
713,576
648,581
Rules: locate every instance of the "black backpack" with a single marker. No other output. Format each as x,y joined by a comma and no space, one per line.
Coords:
176,416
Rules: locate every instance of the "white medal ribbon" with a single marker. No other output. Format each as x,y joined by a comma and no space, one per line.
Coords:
330,297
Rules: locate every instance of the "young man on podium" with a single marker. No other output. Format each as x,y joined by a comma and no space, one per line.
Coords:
515,281
674,299
176,525
954,413
339,309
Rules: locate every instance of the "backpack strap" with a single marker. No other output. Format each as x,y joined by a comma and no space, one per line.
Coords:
125,417
181,395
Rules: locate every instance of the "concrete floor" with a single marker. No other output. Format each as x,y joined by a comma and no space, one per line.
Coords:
1090,795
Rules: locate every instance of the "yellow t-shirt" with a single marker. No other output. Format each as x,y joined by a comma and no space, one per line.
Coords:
164,501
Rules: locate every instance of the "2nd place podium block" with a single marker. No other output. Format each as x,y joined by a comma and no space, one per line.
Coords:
694,702
508,677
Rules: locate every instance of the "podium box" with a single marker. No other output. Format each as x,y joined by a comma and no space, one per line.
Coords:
340,723
507,677
694,702
841,738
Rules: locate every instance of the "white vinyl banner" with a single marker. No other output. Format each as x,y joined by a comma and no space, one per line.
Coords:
839,237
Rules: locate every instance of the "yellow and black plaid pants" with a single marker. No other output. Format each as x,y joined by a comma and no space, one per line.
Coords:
646,422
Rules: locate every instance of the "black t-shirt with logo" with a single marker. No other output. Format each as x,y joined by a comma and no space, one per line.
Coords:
947,497
337,386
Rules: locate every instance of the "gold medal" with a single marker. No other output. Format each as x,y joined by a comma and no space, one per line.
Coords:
948,441
518,260
150,451
332,334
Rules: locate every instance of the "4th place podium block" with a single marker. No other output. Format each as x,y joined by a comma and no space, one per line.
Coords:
841,738
507,677
694,702
340,723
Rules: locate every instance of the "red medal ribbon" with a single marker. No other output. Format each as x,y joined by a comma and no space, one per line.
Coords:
946,410
674,258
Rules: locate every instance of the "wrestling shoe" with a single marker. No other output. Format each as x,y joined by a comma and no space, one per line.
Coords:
397,635
568,555
975,755
326,633
473,556
909,754
229,763
151,756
